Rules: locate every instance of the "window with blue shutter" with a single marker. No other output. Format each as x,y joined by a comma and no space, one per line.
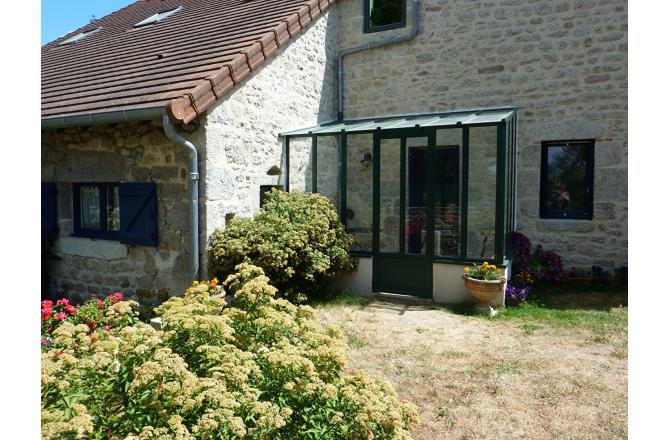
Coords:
49,210
139,213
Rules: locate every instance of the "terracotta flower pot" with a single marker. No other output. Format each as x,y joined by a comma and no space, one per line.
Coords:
483,291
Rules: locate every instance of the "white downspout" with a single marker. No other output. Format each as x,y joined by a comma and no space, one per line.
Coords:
193,190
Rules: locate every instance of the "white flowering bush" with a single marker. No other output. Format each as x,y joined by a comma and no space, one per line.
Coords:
297,239
262,369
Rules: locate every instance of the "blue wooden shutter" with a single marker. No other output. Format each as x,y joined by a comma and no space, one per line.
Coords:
49,210
139,213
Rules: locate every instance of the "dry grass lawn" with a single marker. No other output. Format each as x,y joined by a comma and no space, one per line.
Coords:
531,373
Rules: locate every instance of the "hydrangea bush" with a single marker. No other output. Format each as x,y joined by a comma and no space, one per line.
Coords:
297,239
262,369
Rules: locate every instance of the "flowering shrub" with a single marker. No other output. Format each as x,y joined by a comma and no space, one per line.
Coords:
297,239
541,264
516,294
520,249
485,271
550,268
519,287
108,313
260,370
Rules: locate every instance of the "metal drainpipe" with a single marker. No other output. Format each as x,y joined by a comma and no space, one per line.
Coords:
373,44
193,189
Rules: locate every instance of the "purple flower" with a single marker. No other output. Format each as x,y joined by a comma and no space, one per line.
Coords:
516,294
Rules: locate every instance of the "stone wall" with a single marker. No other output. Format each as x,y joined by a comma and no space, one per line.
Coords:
294,89
125,152
562,63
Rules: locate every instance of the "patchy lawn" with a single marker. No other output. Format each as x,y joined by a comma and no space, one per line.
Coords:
553,368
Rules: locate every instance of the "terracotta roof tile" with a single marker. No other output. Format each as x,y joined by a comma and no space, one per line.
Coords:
184,62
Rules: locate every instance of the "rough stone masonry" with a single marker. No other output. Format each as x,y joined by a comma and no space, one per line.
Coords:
562,63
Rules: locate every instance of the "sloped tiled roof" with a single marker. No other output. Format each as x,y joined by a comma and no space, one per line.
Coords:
184,62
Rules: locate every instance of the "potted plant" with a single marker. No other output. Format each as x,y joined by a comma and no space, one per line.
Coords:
484,282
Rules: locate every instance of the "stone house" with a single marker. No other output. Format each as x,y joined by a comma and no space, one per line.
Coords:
435,126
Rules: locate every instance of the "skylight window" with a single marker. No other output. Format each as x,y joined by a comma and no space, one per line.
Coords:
79,36
158,16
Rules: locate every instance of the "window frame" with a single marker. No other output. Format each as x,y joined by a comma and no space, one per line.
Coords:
567,214
103,232
368,28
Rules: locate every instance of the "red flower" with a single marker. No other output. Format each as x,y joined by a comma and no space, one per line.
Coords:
47,304
92,325
61,316
45,342
46,314
116,297
63,302
71,309
100,304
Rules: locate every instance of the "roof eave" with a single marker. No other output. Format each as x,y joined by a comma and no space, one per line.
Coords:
188,106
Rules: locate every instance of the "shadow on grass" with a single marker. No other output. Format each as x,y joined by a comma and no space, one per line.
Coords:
333,298
582,296
597,307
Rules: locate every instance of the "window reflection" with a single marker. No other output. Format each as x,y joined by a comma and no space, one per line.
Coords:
90,207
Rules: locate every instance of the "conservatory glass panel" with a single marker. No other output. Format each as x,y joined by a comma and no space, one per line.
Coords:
447,192
416,196
481,192
359,190
389,193
300,165
328,167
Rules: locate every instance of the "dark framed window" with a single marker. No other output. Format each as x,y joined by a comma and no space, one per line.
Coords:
567,179
96,210
383,15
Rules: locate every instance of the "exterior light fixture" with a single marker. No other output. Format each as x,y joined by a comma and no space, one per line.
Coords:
274,171
366,160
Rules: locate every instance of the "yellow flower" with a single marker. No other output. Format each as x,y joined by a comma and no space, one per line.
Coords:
466,269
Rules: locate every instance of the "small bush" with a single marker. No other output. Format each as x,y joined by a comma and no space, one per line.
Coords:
297,239
260,370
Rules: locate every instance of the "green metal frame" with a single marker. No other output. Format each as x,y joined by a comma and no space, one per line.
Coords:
505,189
403,135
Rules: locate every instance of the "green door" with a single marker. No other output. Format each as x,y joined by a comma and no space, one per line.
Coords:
403,225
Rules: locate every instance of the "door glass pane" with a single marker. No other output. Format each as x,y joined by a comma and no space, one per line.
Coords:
390,156
482,192
300,164
416,196
90,207
113,209
359,190
447,192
